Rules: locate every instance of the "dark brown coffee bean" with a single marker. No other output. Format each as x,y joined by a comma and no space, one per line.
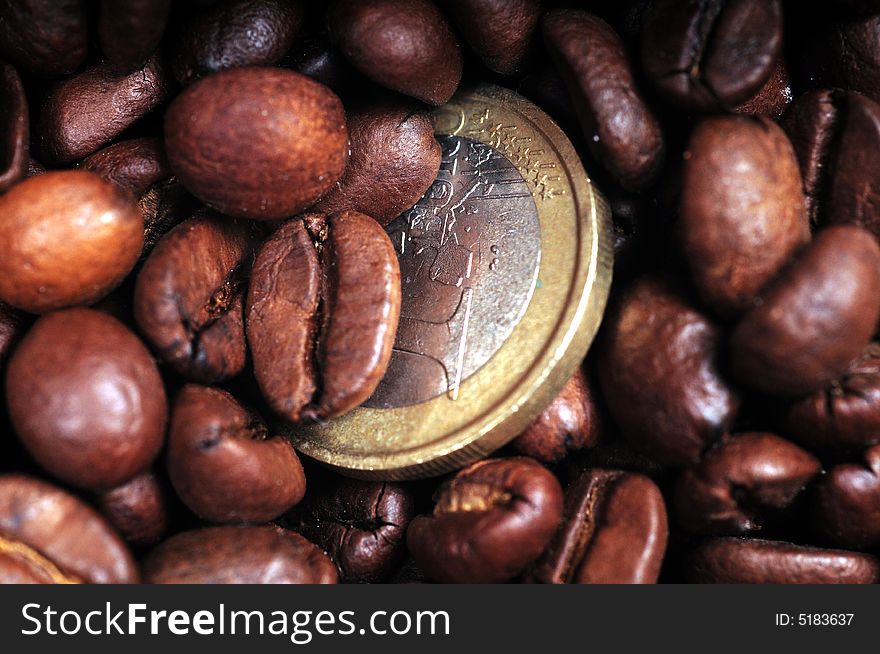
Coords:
321,321
742,477
164,206
815,319
837,139
49,536
394,160
257,143
138,509
235,34
618,125
846,509
46,37
14,128
845,415
66,238
189,296
314,56
754,561
660,375
130,30
614,531
845,54
12,326
571,422
500,31
711,54
86,399
84,113
223,463
404,45
490,521
238,555
134,165
742,208
773,98
361,525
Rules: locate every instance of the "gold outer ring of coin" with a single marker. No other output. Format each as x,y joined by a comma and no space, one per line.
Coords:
498,401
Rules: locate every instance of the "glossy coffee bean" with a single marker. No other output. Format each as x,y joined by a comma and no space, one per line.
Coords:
815,319
742,209
321,321
845,54
137,509
238,555
501,32
84,113
845,415
570,422
837,138
754,561
617,123
14,128
66,238
134,165
846,508
614,531
46,37
773,98
314,56
164,206
86,399
360,524
742,477
130,30
659,373
223,462
257,143
189,296
235,34
490,521
394,160
711,55
404,45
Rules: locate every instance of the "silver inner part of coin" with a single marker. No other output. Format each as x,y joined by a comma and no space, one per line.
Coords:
469,254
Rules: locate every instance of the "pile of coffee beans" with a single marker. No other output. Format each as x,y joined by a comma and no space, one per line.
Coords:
192,206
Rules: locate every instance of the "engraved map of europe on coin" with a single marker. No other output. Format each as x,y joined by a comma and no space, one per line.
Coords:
469,253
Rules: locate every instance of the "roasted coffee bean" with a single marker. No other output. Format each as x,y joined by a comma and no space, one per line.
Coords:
618,125
394,160
257,143
134,165
314,56
740,479
754,561
773,98
138,509
14,128
12,326
47,37
844,54
86,399
490,521
238,555
614,531
49,536
164,206
499,31
235,34
711,54
815,319
360,524
130,30
570,422
846,509
845,415
66,238
189,296
836,136
223,463
404,45
660,376
742,208
322,313
84,113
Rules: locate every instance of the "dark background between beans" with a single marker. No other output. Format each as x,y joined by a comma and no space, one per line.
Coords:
724,428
